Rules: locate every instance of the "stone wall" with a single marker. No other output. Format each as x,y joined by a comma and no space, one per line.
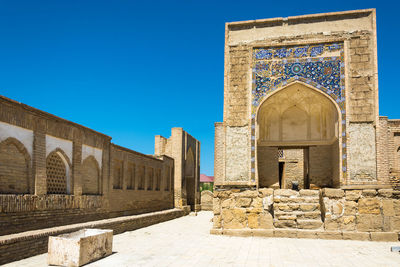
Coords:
207,200
326,213
53,171
235,209
388,152
365,210
219,153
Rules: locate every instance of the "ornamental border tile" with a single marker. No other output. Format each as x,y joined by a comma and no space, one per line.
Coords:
277,67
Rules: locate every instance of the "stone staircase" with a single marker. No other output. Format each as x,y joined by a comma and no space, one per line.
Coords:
297,209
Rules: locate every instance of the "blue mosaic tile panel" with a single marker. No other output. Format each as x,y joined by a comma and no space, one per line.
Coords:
277,67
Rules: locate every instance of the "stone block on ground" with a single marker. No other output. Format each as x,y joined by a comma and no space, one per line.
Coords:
79,248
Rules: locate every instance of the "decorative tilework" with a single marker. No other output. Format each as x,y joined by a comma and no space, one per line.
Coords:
274,68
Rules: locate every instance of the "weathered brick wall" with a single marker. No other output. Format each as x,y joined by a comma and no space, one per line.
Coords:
184,149
294,167
236,90
268,172
388,144
14,168
383,152
321,162
219,153
42,154
90,177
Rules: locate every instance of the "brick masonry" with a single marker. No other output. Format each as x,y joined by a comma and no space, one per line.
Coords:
55,172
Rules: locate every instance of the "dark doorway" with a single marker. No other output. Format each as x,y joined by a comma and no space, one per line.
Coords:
306,168
190,192
281,169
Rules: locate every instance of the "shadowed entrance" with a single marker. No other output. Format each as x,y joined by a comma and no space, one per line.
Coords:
297,139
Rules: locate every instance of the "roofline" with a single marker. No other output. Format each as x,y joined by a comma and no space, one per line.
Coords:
302,17
49,115
125,149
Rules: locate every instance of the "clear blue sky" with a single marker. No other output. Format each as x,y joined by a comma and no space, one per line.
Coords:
134,69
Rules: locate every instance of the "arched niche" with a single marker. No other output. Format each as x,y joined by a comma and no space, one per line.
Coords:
14,168
301,117
90,176
58,173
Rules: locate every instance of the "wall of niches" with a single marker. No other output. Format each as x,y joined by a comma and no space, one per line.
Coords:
45,159
143,181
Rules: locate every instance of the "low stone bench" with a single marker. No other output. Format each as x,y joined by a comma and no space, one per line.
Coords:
79,248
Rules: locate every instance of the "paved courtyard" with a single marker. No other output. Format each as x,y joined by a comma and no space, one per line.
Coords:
186,242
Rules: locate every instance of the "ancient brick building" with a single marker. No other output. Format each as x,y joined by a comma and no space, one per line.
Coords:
301,111
55,172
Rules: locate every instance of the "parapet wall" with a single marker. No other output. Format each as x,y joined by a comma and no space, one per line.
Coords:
327,213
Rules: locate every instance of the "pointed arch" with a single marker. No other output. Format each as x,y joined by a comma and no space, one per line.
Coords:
58,173
309,119
189,163
90,176
15,168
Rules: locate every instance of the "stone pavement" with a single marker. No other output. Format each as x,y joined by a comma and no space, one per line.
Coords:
186,242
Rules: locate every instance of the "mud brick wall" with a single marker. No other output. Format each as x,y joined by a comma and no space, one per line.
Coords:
39,151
